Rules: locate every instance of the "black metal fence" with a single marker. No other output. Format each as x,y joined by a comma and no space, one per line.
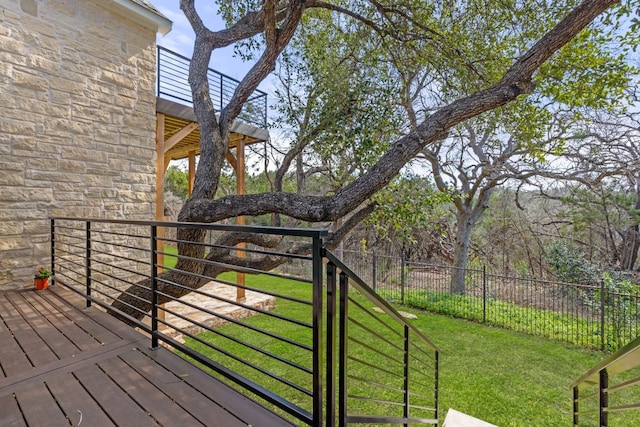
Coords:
173,84
591,316
308,361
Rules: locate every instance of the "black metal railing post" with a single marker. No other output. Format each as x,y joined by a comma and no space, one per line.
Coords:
436,383
576,409
317,331
154,286
402,278
331,338
264,108
406,373
375,271
342,369
602,316
88,262
158,69
53,251
604,398
484,294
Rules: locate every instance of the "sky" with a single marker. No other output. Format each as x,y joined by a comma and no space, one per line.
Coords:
180,39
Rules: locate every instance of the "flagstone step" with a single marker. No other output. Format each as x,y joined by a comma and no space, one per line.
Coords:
458,419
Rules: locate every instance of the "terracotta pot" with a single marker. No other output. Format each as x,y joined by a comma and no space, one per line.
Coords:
40,284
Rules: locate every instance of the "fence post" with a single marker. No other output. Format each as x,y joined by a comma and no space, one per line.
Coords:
602,317
88,261
576,408
484,294
402,279
375,270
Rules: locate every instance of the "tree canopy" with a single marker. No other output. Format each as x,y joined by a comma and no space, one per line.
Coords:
418,69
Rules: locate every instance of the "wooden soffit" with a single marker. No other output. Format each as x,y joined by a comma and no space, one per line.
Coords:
178,117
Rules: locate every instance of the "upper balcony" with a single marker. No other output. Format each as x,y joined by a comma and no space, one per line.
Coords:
175,101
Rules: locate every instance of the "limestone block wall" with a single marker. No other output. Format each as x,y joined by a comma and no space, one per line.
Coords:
77,123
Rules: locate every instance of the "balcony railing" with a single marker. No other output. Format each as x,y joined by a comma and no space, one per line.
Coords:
173,84
608,389
331,352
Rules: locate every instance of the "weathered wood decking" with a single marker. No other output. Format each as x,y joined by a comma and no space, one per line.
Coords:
63,364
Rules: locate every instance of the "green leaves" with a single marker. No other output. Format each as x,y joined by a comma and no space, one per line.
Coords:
407,208
176,181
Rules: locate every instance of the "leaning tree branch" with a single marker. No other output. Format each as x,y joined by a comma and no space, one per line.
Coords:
515,82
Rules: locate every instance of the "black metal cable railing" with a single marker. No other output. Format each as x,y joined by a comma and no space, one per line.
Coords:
267,333
604,394
388,370
173,84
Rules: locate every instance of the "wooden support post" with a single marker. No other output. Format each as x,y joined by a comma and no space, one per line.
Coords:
160,172
240,291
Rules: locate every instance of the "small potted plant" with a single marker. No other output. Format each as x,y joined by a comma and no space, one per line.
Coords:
41,280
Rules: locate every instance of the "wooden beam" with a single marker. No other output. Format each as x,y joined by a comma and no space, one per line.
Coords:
232,160
179,136
192,170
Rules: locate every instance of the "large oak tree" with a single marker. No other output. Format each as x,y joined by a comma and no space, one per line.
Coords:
264,29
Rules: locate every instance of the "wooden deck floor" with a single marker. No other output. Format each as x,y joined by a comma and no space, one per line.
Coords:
63,364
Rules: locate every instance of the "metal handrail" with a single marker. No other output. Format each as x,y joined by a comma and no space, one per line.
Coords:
376,335
278,231
625,359
362,287
173,84
101,287
87,256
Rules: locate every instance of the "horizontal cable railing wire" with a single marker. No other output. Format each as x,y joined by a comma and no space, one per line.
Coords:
173,84
589,315
256,330
387,369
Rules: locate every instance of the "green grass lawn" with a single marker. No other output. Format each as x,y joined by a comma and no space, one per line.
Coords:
504,377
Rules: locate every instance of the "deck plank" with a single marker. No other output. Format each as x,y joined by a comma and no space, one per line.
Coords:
151,399
39,408
111,376
76,402
200,406
112,399
88,358
13,358
33,346
10,412
80,338
225,396
54,339
78,314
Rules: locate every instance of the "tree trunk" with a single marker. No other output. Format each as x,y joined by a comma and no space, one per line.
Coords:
631,242
463,241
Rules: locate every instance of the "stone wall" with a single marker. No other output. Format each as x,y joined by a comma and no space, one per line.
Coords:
77,123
